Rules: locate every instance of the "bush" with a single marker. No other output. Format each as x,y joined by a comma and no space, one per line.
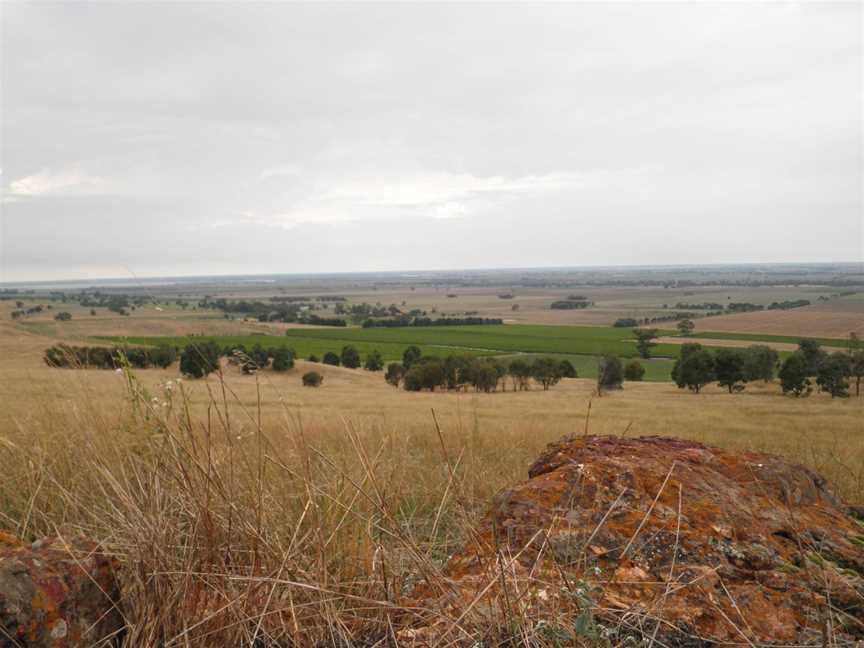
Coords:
313,358
198,360
63,316
331,358
374,362
350,357
312,379
794,375
163,356
283,359
625,322
610,373
567,369
411,355
634,371
394,374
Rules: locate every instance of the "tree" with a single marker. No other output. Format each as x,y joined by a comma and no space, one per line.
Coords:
625,322
63,316
812,354
394,374
694,368
331,358
92,311
312,379
856,369
729,369
794,374
520,374
374,362
644,342
685,327
759,363
833,373
283,359
546,371
634,371
610,373
567,369
313,358
163,356
428,374
350,357
411,355
199,359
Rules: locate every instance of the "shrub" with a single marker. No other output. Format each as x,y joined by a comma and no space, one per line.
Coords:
411,355
331,358
625,322
163,356
283,359
350,357
610,373
313,358
567,369
374,362
200,359
312,379
634,371
394,374
63,316
644,342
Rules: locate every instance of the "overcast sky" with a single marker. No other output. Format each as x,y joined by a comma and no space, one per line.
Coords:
170,139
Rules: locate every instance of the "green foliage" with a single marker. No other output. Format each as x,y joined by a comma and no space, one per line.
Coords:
625,322
312,379
729,369
644,341
374,362
410,356
694,368
394,374
856,369
833,373
794,374
546,371
350,357
520,374
759,363
199,359
610,373
331,358
283,359
163,356
685,327
567,369
63,316
313,358
634,371
812,353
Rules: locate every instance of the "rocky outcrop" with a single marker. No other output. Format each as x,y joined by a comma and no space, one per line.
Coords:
661,539
57,596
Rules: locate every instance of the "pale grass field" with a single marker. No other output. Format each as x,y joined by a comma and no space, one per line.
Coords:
250,507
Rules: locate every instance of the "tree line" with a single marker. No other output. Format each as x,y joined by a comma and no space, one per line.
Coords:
408,320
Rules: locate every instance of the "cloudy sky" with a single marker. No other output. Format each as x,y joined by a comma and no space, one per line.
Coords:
170,139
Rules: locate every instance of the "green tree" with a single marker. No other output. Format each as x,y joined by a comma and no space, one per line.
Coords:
313,358
283,359
411,355
759,363
567,369
610,373
634,371
794,374
312,379
685,327
856,369
833,373
350,357
331,358
163,356
427,374
546,371
812,354
199,359
374,362
729,369
694,368
394,374
63,316
644,341
520,374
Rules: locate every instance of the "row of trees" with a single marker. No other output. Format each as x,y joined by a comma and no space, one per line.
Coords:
830,372
84,357
408,320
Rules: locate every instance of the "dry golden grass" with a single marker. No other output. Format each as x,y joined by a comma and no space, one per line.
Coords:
251,508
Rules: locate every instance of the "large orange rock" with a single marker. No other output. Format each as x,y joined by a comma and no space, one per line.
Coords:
658,537
57,596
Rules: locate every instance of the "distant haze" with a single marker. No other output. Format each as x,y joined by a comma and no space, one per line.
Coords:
212,138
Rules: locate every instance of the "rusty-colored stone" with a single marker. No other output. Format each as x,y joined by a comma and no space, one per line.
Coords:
693,544
57,596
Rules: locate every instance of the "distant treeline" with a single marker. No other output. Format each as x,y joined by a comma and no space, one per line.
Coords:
268,312
407,320
84,357
573,302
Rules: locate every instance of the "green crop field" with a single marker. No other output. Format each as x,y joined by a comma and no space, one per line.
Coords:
760,337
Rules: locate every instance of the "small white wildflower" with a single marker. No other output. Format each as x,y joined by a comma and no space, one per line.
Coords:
597,571
155,399
118,370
